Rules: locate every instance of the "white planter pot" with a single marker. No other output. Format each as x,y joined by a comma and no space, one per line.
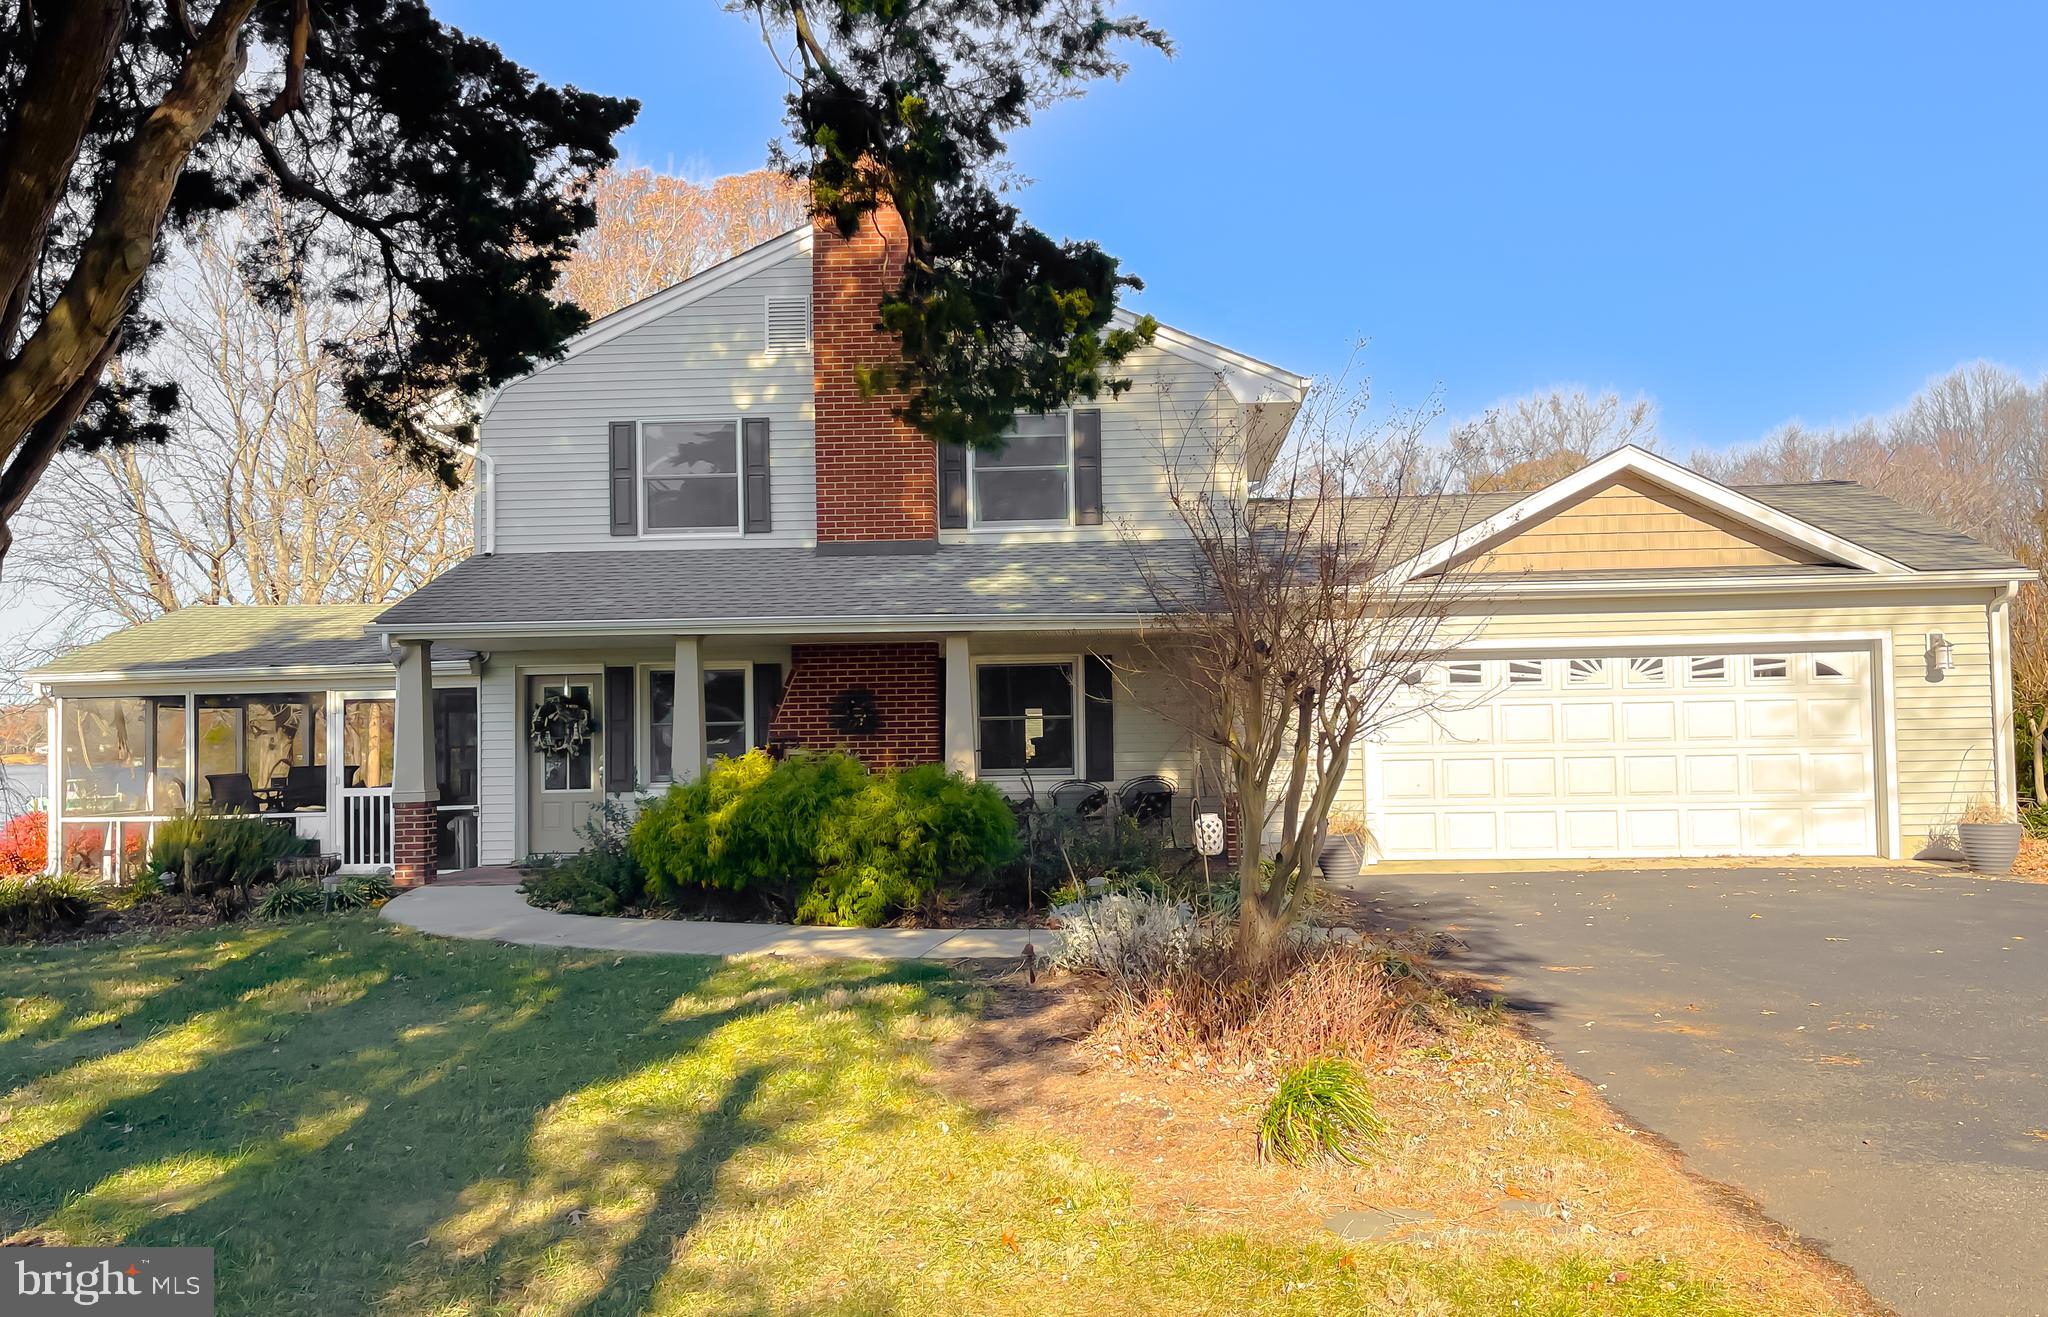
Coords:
1989,847
1342,858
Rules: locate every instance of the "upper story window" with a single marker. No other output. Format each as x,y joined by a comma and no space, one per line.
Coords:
690,475
1030,482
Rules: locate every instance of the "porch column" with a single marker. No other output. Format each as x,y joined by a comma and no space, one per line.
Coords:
688,725
53,759
415,833
959,706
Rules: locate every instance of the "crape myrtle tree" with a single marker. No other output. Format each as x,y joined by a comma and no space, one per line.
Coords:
906,105
434,174
1285,635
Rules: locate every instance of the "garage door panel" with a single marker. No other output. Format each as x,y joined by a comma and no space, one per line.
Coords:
1592,830
1589,775
1772,720
1654,832
1529,724
1529,777
1684,753
1408,779
1713,775
1529,832
1710,720
1776,775
1468,778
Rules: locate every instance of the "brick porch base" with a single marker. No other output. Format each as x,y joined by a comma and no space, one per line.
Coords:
415,842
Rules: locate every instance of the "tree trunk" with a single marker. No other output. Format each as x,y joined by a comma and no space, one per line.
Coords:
2037,725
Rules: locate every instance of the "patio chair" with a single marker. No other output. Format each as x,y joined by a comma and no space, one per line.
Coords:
232,793
1148,802
1080,798
304,787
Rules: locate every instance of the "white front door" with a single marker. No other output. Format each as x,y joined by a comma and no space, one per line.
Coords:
562,787
1615,754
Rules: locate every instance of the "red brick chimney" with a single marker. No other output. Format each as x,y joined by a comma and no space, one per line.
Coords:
877,477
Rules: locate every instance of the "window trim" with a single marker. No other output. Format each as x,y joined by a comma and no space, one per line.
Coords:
1052,776
1782,677
739,475
643,717
974,518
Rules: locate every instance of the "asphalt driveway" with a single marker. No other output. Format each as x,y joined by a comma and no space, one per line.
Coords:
1861,1050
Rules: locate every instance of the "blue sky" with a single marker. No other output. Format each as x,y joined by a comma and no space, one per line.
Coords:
1748,214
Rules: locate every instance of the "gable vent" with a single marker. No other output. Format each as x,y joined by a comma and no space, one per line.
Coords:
789,324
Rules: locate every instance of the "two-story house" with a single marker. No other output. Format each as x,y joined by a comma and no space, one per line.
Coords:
695,525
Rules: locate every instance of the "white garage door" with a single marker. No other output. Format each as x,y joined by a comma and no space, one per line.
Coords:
1642,755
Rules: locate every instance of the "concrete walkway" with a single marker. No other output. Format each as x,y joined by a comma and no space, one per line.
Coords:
501,914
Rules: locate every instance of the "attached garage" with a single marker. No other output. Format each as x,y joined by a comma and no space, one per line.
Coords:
1606,752
1639,662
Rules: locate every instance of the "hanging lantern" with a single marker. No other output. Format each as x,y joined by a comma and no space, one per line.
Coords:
1209,834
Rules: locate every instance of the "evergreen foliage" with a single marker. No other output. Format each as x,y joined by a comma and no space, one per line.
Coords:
907,107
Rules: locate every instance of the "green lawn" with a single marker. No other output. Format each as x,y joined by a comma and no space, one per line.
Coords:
362,1119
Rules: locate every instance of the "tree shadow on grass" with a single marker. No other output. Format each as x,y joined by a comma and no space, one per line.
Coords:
326,1156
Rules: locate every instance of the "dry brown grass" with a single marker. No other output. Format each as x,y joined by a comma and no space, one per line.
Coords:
1354,1001
1491,1143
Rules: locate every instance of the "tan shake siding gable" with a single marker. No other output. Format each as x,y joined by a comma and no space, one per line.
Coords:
877,478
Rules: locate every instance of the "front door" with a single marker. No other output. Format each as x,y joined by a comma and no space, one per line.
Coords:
563,787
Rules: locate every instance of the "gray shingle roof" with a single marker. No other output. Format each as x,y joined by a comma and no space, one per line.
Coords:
964,582
1840,507
236,636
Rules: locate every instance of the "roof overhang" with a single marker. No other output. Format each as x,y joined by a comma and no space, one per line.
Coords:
1631,460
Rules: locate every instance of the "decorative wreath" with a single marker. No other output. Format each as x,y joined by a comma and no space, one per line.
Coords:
855,713
561,725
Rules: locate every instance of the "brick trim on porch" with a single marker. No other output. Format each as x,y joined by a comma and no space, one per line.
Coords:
415,842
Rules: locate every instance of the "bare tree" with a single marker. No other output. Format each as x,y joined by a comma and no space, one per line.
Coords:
273,491
1533,441
654,230
1283,634
1969,449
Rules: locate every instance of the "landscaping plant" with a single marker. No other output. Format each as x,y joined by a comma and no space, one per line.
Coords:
293,896
820,836
359,891
222,856
40,904
601,879
25,844
1321,1109
889,847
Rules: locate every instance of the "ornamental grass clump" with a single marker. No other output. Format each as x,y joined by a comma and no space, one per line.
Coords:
41,904
1321,1109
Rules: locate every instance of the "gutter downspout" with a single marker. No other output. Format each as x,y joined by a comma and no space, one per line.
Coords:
484,507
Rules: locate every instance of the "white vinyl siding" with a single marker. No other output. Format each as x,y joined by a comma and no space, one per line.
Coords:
705,360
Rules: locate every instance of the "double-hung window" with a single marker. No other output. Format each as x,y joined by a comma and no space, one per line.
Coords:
690,475
1030,482
726,733
1025,717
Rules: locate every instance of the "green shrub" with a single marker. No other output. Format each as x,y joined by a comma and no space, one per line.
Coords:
291,896
747,824
2035,821
359,891
212,852
570,887
1321,1109
145,886
891,845
43,903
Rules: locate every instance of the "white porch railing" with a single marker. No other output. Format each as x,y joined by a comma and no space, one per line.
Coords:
365,827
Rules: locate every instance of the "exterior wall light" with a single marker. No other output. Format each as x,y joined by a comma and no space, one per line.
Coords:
1941,654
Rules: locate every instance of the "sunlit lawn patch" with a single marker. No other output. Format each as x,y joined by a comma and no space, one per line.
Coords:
360,1119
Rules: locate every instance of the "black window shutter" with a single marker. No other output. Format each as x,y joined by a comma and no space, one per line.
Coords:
620,772
754,433
952,487
1088,468
625,479
1098,687
767,698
